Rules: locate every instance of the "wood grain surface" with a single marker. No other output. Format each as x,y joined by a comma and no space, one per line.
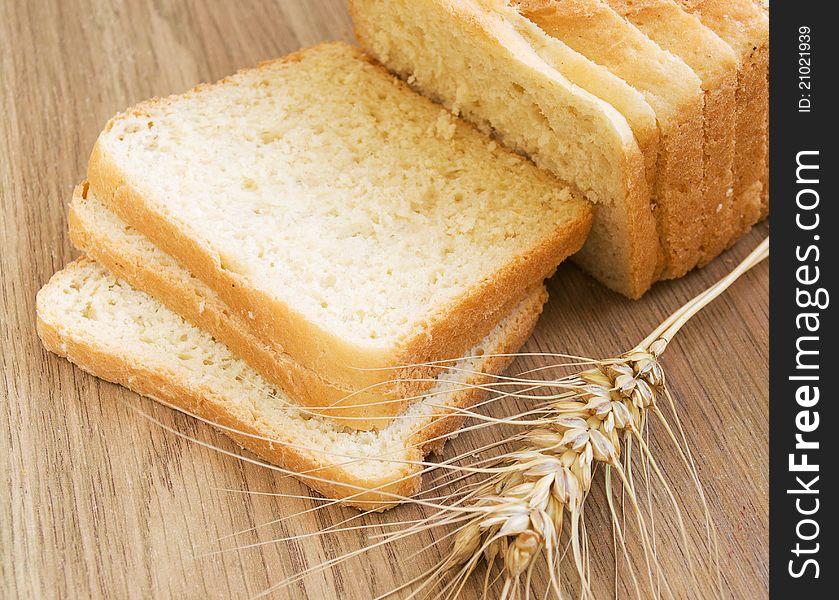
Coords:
96,501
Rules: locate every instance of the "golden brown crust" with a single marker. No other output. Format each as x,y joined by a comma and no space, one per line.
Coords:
753,126
324,473
722,223
745,26
680,206
713,60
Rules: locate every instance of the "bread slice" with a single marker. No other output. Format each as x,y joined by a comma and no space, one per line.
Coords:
104,237
714,62
590,76
671,88
122,335
486,68
744,25
357,226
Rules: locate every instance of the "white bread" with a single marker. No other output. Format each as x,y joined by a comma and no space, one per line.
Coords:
104,237
356,225
122,335
674,92
667,24
590,76
487,68
744,25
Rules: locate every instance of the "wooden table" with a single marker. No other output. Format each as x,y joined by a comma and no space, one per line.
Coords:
96,501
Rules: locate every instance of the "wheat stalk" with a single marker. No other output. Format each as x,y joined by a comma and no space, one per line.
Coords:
538,491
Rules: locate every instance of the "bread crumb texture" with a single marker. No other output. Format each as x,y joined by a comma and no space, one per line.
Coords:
363,207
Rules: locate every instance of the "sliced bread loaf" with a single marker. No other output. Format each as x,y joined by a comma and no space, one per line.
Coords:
357,226
103,236
744,25
713,60
481,66
670,87
122,335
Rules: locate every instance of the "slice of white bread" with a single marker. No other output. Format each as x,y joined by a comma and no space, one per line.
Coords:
588,75
123,335
671,88
481,66
744,24
671,27
104,237
355,224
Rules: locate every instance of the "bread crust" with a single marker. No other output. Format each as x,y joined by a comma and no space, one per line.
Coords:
753,127
199,305
446,335
628,267
721,223
744,25
713,60
317,470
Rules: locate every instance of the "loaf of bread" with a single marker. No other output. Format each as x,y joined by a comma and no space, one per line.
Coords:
484,61
356,226
327,265
667,24
482,66
122,335
674,92
744,25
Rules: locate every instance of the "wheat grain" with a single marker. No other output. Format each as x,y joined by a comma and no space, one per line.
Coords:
522,509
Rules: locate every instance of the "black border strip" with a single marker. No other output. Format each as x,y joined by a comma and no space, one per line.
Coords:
803,264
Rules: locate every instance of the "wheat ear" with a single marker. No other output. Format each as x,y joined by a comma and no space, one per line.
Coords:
539,490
